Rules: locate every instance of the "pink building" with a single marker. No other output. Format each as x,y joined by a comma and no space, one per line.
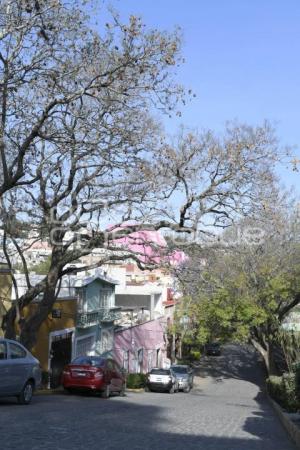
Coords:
141,347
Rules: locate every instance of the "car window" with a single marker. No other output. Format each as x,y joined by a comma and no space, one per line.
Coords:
98,362
3,350
16,351
89,361
82,360
160,372
180,369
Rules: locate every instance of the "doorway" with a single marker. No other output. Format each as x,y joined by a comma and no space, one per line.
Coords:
60,355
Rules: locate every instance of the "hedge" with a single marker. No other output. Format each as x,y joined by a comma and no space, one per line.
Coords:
284,391
136,380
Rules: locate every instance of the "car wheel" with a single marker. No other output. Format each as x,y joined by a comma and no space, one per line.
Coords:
24,398
187,389
147,389
122,391
172,390
105,393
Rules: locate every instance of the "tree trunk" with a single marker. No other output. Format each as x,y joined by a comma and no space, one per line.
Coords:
31,325
9,320
9,323
173,348
267,354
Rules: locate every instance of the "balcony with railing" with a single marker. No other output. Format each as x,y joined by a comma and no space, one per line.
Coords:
89,318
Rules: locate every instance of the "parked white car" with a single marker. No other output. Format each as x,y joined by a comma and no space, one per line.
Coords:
162,380
20,372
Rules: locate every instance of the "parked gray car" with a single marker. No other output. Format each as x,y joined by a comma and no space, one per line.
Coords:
184,375
20,372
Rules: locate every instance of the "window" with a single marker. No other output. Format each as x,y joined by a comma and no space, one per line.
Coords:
158,357
150,359
85,345
140,360
3,350
106,298
110,365
126,360
16,351
82,303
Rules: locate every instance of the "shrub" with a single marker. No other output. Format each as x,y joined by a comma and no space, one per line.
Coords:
184,361
283,391
274,388
195,355
136,380
290,391
296,368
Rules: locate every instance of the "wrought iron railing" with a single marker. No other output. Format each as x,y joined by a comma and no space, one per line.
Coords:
89,318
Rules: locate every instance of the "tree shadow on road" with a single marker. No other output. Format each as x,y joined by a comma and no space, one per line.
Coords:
86,423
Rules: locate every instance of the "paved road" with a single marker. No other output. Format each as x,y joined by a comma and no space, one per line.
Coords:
226,411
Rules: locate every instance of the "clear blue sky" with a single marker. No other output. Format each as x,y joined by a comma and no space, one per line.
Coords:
242,61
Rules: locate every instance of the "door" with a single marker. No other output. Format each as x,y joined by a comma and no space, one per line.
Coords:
115,376
4,375
110,374
118,380
61,354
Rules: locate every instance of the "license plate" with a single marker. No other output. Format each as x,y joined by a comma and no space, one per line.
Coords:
79,374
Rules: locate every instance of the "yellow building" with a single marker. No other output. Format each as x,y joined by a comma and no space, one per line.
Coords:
55,338
5,291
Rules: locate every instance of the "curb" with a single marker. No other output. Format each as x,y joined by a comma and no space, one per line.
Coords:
140,390
49,392
292,429
62,392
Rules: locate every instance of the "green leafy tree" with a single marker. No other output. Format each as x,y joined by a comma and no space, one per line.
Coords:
246,290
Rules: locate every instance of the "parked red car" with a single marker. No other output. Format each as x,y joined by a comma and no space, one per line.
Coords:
94,373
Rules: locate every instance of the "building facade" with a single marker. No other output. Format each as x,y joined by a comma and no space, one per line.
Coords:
81,322
141,347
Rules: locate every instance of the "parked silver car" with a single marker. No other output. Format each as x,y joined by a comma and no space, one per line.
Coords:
20,372
184,375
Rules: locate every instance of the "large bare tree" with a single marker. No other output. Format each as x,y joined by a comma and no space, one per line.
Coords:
81,151
193,187
52,61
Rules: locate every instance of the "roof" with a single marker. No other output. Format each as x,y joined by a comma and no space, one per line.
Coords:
101,276
68,283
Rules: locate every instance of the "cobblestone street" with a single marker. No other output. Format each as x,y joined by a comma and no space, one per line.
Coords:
227,410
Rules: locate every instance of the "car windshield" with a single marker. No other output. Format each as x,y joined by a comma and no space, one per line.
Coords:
180,369
160,372
89,361
214,345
